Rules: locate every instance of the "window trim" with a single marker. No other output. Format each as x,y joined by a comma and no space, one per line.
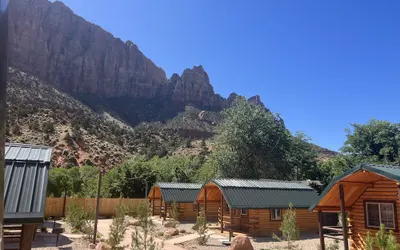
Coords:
366,202
244,214
271,211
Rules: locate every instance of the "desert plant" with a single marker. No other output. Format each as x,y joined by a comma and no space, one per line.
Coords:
369,242
385,240
143,236
80,219
118,227
201,228
174,213
290,232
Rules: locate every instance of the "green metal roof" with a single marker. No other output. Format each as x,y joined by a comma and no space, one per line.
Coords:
178,185
25,182
179,192
391,172
258,194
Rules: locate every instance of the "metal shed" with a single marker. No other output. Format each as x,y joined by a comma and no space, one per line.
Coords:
25,183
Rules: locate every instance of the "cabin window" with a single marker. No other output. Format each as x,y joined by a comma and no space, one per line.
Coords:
243,212
380,213
276,214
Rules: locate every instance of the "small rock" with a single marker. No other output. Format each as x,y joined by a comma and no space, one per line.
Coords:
241,242
170,224
132,221
103,246
92,246
171,232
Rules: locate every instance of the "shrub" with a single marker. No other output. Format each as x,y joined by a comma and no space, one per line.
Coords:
175,213
143,236
79,219
290,232
385,240
369,242
118,227
201,228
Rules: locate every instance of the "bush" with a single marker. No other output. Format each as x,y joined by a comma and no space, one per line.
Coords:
175,213
201,228
385,240
290,232
143,236
80,220
369,242
118,227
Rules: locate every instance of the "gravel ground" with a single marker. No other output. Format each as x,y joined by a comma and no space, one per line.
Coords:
258,243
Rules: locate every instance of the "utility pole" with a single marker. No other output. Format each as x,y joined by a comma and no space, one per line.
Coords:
3,83
97,206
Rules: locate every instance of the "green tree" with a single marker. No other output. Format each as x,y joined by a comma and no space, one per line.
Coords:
89,177
302,157
59,182
376,141
251,143
129,179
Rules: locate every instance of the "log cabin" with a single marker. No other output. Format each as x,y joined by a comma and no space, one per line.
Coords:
256,207
367,196
163,194
25,183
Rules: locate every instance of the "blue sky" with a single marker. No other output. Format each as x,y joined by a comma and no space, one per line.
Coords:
320,64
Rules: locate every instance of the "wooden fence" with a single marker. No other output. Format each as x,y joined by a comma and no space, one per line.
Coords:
55,206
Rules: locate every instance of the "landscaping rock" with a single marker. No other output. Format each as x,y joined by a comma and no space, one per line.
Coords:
171,232
103,246
241,242
170,224
92,246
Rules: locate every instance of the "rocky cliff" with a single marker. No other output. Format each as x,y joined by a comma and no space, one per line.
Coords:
49,41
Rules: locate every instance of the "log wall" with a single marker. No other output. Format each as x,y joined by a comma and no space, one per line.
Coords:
384,190
260,223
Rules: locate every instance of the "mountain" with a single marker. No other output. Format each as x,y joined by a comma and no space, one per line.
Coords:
49,41
97,99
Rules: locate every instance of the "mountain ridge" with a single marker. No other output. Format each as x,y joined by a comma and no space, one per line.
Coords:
50,44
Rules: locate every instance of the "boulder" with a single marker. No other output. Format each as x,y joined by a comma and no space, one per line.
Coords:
102,246
241,242
171,232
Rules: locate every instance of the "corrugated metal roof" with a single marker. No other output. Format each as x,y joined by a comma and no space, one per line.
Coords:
256,198
25,183
179,195
391,172
178,185
178,192
25,152
261,184
258,194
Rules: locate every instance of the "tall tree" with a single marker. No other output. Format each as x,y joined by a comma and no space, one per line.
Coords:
377,141
252,143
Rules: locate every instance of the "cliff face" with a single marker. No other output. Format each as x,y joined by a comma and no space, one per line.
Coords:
49,41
